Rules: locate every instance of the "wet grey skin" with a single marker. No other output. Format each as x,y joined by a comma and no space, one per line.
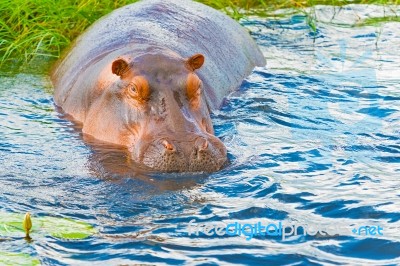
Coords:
154,47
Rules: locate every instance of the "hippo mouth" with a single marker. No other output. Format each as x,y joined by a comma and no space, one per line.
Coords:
200,155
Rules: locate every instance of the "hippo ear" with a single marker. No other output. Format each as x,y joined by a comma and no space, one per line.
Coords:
119,67
195,62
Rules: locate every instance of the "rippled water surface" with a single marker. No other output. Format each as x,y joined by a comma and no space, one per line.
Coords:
313,140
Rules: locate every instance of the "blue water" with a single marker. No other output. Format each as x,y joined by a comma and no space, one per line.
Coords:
313,139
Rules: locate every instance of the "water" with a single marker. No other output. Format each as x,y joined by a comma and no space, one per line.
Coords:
313,139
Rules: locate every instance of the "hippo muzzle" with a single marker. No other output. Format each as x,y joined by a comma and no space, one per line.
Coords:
191,153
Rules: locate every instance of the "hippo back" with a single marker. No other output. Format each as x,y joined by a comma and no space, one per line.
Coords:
182,26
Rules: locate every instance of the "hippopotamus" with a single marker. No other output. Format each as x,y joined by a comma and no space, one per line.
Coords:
148,75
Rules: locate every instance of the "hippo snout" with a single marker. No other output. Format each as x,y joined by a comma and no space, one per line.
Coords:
201,154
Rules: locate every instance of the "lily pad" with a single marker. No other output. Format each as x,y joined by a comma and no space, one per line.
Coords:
64,228
11,259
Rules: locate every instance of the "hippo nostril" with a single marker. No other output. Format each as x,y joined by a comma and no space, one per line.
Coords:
201,144
204,146
168,146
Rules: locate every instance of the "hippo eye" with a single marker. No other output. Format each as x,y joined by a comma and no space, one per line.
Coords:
139,89
132,88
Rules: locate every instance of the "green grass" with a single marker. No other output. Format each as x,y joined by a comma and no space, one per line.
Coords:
378,21
29,28
43,28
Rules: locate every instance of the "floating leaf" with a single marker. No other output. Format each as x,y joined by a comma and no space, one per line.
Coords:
11,224
65,228
11,259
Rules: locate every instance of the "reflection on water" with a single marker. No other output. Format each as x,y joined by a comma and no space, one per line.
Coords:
314,138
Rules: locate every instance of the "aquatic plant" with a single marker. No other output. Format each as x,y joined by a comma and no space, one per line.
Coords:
11,225
27,224
11,259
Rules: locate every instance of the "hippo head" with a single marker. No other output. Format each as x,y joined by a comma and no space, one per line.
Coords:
155,106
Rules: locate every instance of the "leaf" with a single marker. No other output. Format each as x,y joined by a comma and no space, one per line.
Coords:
64,228
11,259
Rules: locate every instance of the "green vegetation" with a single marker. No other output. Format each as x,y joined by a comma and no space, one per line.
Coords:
11,259
29,28
11,225
378,21
43,28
